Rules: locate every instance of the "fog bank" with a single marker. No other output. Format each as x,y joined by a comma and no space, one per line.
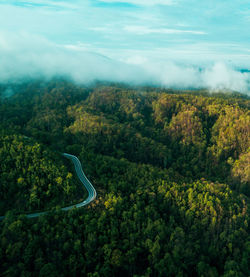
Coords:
25,56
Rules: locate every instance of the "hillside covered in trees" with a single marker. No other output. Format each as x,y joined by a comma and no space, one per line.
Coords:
33,178
171,170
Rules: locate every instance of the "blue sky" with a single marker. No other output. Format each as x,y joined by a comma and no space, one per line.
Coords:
135,32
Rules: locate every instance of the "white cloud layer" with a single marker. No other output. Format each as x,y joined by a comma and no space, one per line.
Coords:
142,2
24,55
143,30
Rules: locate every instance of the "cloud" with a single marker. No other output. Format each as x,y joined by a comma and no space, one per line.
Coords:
142,2
220,76
30,56
216,77
40,3
142,30
101,29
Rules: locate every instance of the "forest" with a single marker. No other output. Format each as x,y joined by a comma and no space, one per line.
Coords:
171,169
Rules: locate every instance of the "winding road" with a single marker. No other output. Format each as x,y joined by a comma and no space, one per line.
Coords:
80,174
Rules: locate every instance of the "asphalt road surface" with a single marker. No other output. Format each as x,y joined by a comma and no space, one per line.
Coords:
82,177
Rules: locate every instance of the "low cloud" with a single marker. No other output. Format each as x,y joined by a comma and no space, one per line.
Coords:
220,76
27,56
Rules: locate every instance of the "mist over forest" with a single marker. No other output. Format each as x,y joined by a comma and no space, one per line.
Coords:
25,56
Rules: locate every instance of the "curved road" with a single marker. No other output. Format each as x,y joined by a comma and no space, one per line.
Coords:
91,190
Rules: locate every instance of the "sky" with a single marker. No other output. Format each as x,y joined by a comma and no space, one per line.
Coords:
173,43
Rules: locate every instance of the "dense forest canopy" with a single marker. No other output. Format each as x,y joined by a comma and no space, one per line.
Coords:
33,177
171,169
